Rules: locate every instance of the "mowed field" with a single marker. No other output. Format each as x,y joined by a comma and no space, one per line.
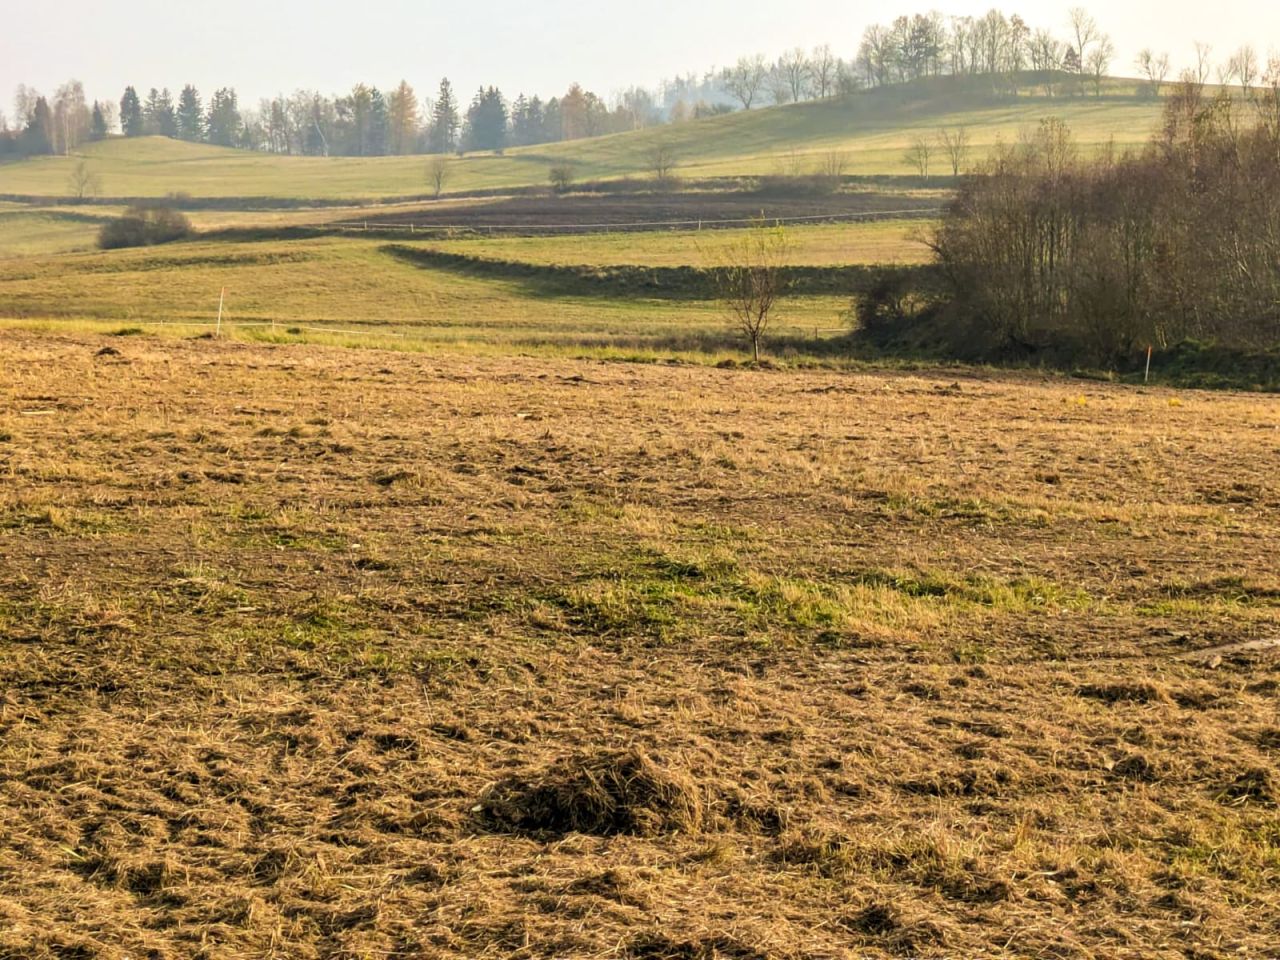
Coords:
825,245
305,289
872,130
322,653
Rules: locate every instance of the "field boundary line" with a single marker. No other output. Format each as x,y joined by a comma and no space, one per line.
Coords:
278,325
350,227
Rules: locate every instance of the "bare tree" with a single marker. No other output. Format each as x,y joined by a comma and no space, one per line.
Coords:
751,278
439,172
84,180
1046,57
71,117
562,176
796,70
744,80
825,71
919,155
955,147
24,102
834,164
1204,63
1084,31
662,161
1155,67
779,87
1243,68
1099,62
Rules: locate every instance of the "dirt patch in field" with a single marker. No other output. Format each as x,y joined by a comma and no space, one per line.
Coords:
592,212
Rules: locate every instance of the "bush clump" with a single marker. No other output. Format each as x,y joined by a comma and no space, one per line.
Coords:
144,227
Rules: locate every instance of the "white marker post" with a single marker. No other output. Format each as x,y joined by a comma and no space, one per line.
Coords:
221,298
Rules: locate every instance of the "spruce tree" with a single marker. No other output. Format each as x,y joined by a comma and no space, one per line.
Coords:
190,116
225,123
37,138
379,124
98,125
445,121
162,118
487,121
131,119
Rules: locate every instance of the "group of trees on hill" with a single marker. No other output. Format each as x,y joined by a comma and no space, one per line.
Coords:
54,126
367,121
1100,257
364,122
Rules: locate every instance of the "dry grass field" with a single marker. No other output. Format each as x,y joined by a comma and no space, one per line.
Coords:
312,653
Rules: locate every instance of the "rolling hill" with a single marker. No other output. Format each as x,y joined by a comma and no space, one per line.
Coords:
872,129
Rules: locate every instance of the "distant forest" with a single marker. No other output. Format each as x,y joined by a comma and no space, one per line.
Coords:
368,122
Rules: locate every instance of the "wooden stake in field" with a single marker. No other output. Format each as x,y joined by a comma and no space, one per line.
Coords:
221,299
1150,352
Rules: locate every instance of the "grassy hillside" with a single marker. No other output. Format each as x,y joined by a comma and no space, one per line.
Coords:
357,285
873,129
887,241
26,231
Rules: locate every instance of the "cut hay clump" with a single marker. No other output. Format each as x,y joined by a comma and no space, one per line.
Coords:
662,947
627,793
1253,786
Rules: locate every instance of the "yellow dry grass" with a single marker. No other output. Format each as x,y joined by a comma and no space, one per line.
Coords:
318,653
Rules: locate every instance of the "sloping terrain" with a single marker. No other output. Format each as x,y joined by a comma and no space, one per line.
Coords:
873,129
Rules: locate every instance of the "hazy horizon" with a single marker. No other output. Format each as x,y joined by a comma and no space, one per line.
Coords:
315,45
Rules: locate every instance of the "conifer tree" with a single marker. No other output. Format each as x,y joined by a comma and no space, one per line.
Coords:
445,120
190,115
225,122
131,119
98,125
487,121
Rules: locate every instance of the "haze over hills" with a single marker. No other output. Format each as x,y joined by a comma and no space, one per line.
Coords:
871,131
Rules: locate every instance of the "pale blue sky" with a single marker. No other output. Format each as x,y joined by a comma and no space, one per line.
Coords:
537,46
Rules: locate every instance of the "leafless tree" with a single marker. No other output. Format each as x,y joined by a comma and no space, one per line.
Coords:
1243,68
562,176
24,101
439,171
1099,62
834,165
1204,63
796,69
662,161
1155,67
825,70
1046,57
84,180
955,147
751,278
919,155
779,87
71,117
745,79
1084,31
